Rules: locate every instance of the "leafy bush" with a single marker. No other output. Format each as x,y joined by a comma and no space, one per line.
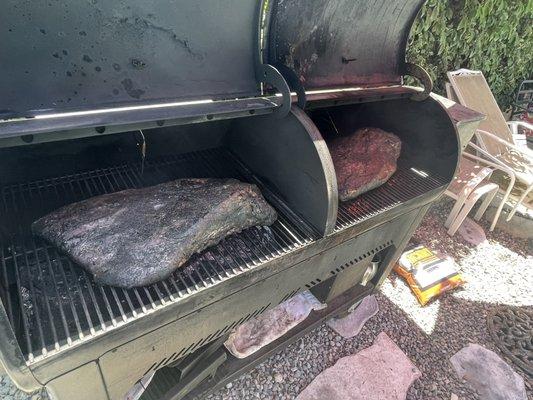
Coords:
494,36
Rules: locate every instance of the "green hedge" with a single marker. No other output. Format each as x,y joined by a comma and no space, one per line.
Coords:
494,36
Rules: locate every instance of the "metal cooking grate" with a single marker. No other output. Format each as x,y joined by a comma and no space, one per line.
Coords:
53,303
406,184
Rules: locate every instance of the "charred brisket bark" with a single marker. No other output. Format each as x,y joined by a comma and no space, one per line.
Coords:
364,160
140,236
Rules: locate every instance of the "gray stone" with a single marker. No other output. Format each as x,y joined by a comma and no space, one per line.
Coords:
9,391
379,372
352,324
272,324
488,374
521,225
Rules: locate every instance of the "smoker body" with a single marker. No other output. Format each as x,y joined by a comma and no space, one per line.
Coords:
61,330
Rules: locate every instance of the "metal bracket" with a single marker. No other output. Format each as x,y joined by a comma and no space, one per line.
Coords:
421,74
266,73
294,83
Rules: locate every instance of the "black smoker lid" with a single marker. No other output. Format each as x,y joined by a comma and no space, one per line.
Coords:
342,43
60,56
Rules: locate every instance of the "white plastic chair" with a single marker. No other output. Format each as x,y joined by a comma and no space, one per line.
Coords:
496,146
468,186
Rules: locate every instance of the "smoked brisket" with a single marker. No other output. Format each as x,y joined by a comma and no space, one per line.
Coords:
137,237
364,160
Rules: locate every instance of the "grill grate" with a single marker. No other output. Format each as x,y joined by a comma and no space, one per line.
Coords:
406,184
53,304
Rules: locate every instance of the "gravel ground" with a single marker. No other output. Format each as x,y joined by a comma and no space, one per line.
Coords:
498,272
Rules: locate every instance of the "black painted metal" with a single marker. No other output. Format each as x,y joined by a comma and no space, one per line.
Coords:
292,157
429,138
511,328
76,125
59,56
422,75
59,303
342,43
55,321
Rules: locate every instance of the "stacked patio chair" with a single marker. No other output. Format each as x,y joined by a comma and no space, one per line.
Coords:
495,145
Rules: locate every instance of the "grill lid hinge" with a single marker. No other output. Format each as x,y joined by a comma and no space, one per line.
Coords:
294,83
267,73
422,75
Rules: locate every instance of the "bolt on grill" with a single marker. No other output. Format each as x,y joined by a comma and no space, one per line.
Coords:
53,303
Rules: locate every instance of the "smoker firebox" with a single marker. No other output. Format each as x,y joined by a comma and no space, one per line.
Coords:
57,326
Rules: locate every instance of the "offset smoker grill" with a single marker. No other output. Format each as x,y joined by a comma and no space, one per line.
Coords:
195,83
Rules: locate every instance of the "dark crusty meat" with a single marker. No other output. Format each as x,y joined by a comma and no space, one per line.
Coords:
140,236
364,160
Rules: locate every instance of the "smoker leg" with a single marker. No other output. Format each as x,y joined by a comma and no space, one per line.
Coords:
187,364
84,383
175,381
206,368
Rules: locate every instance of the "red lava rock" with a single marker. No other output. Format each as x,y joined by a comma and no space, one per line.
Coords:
379,372
364,160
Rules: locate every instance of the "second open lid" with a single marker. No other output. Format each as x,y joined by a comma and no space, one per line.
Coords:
342,43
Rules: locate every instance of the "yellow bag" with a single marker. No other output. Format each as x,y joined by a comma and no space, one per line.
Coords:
427,274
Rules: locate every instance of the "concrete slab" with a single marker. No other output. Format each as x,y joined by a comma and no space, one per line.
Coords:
521,225
379,372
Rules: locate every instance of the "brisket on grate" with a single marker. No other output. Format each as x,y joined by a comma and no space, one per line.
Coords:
364,160
140,236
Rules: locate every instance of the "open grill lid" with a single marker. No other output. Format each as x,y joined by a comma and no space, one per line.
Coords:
342,43
62,56
84,66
